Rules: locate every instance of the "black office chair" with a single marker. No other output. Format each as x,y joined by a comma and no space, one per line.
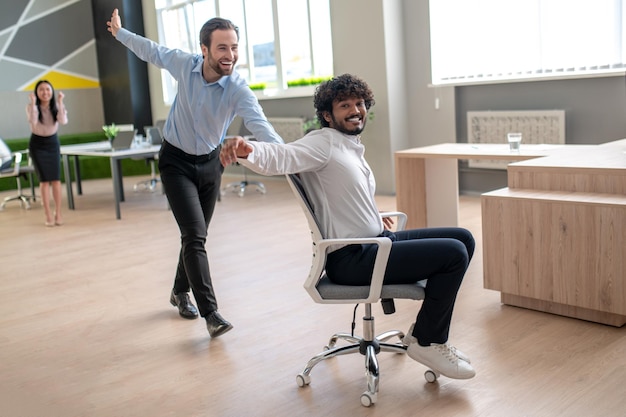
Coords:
11,167
322,290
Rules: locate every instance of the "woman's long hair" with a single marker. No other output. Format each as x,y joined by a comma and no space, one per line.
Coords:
53,101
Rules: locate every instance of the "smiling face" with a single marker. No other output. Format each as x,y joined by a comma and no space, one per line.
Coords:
348,116
221,56
44,93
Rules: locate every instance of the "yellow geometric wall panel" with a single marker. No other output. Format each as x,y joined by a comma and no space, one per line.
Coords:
62,81
31,48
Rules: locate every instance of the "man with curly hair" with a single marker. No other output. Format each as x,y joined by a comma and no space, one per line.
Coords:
341,187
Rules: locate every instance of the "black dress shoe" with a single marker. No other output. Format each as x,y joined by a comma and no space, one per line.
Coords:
216,325
185,308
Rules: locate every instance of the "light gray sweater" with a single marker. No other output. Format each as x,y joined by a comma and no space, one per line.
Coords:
335,174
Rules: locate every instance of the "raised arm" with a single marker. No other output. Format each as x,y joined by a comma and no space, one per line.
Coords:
62,112
115,23
31,110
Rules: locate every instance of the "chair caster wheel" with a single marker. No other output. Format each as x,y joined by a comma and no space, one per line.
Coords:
303,380
431,376
368,398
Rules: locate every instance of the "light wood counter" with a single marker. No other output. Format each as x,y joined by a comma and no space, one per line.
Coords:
427,185
555,239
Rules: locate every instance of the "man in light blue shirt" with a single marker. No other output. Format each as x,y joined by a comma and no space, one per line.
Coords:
210,95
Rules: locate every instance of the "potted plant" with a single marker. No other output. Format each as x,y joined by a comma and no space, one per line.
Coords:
110,131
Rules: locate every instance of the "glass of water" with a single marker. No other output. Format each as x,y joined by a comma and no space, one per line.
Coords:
514,140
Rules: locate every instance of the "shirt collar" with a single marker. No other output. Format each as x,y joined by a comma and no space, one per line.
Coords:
198,68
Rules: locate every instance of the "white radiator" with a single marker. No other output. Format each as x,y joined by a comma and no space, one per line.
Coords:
289,128
536,126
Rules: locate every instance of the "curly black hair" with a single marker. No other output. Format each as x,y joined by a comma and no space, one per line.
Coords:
340,88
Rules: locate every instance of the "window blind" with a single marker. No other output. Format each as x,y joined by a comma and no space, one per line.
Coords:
482,41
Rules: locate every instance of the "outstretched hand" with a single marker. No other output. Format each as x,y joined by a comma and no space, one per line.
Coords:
115,23
234,148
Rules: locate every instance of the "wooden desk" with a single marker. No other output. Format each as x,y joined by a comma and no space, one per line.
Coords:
427,178
554,240
102,149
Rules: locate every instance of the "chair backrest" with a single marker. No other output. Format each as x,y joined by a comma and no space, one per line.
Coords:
295,182
6,156
319,255
161,125
321,289
153,134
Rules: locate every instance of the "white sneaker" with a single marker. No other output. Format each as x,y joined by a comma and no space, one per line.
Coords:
442,359
409,338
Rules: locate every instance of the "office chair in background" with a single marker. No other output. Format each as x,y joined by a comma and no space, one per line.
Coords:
240,186
154,137
322,290
11,167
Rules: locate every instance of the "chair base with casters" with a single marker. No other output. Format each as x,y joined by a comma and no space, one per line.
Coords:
151,183
368,344
18,172
322,290
240,186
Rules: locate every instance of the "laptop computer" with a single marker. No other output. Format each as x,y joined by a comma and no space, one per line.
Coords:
123,140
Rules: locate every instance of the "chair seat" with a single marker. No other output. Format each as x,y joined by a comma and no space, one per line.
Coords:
331,291
22,170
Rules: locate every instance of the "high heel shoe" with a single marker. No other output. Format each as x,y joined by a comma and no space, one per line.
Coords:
49,224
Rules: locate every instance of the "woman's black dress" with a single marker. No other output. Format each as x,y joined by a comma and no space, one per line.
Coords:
46,154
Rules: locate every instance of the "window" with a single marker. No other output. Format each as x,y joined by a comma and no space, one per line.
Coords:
482,41
279,40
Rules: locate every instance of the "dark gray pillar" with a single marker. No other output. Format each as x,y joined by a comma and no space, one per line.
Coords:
123,76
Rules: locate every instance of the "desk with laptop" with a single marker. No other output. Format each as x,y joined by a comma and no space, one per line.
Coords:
124,146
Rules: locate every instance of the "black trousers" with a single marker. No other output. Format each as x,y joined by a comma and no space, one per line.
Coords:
440,255
192,186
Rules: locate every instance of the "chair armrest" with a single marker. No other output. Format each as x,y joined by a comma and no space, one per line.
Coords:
401,218
378,273
16,162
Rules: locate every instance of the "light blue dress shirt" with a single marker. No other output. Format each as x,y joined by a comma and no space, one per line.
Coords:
202,111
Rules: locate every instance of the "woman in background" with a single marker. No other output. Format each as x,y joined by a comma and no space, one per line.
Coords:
45,114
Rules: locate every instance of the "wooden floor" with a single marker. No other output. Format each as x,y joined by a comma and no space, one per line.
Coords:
87,330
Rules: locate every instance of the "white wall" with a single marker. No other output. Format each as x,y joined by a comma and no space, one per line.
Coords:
368,42
428,124
84,109
159,109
